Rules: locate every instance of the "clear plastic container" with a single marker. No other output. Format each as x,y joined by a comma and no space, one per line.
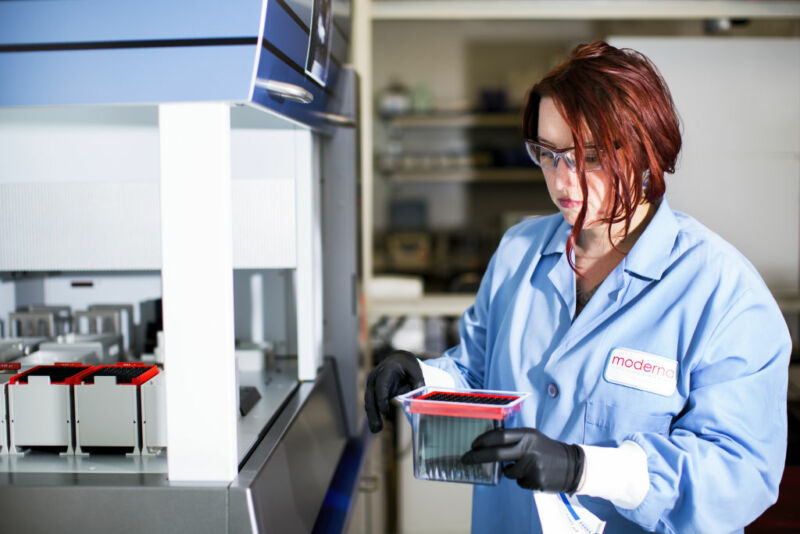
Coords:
446,421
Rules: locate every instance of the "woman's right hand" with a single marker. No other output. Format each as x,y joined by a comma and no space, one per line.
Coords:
398,373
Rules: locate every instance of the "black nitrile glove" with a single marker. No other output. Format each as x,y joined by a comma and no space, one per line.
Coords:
540,463
398,373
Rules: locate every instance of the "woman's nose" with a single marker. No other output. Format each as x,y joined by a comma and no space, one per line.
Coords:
565,177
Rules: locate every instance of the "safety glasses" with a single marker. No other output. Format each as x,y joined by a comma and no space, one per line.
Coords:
547,158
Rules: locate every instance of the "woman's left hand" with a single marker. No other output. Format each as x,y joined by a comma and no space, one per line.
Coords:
539,463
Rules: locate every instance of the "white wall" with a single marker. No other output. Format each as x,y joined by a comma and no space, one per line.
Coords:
739,172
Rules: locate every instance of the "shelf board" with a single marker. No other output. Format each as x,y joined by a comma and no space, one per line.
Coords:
456,120
579,9
789,303
470,175
434,304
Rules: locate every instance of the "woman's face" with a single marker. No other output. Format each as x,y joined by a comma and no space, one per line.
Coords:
562,183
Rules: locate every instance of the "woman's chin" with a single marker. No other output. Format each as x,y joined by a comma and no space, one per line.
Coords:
572,215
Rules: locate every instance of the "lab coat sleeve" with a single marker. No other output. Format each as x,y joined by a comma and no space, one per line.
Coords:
721,464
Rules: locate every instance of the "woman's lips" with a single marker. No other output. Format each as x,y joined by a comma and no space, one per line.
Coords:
568,203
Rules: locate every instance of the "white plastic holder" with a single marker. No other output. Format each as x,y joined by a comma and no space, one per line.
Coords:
3,415
107,415
154,424
40,415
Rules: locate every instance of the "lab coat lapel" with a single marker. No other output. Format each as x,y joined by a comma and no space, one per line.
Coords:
561,274
603,304
562,277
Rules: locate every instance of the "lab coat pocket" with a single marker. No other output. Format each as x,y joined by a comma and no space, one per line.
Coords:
607,424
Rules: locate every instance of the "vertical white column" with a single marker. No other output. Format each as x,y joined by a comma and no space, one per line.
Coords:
197,286
308,275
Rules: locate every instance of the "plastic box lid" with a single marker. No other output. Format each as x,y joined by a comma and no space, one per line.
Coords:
126,373
472,403
60,373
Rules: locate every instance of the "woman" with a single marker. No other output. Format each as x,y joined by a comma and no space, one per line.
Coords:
656,356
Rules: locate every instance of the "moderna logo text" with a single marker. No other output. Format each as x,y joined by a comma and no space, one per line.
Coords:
641,365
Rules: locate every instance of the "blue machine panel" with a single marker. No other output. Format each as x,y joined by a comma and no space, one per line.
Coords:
57,52
68,21
151,75
284,57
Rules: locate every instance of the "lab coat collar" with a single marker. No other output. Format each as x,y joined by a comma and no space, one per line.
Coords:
650,255
558,241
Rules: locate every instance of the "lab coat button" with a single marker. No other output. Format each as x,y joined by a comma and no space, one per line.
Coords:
552,390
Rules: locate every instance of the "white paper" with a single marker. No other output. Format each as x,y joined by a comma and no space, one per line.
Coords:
562,514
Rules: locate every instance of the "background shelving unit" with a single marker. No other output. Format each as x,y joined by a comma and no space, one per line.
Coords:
450,183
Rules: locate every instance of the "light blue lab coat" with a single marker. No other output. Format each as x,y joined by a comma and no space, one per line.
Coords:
715,446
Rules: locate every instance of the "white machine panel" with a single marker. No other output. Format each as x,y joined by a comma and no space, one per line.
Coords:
40,414
80,190
106,415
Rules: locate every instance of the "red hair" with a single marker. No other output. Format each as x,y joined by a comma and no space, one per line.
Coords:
619,98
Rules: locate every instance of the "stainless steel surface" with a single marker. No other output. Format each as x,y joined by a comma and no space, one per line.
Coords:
275,387
13,348
285,90
45,503
45,356
48,463
107,347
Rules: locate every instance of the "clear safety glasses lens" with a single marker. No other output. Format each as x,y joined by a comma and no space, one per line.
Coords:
547,158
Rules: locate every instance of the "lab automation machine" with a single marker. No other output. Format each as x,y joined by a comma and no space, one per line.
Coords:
178,319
